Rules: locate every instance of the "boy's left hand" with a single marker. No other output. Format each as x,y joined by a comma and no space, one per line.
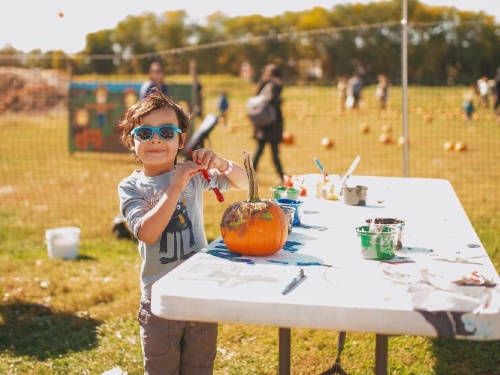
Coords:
208,159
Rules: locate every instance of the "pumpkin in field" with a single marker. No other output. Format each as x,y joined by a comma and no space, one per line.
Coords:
385,138
448,146
401,141
327,142
428,117
386,129
288,138
254,227
364,128
460,146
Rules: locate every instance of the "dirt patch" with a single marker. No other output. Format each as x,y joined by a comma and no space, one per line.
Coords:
32,90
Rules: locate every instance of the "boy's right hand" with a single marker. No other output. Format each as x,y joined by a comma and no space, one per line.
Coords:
183,173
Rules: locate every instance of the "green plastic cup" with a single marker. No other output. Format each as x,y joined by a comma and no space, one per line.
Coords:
285,192
377,244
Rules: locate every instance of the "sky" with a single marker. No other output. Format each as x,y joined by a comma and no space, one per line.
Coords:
30,24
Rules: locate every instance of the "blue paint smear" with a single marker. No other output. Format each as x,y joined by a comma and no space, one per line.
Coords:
220,250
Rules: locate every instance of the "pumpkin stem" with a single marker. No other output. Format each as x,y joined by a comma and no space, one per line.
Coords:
253,188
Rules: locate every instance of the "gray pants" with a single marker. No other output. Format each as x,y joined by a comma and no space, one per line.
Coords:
172,347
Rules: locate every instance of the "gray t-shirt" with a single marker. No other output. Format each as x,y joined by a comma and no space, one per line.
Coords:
184,234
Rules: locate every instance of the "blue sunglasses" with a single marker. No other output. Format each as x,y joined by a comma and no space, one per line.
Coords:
145,133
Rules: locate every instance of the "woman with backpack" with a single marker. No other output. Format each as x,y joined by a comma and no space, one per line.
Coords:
270,86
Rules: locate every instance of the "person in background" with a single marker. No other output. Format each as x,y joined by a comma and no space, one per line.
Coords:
271,86
483,88
382,92
342,92
163,206
496,106
354,88
222,106
198,106
155,80
468,102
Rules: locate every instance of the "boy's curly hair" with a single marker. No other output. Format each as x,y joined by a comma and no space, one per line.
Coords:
155,100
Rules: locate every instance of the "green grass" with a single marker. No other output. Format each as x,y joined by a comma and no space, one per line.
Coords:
79,317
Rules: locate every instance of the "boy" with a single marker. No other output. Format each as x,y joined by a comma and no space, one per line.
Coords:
163,206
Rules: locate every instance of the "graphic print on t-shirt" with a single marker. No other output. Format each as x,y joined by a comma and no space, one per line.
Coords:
179,222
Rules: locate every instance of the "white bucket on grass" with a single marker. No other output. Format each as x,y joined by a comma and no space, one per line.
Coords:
63,242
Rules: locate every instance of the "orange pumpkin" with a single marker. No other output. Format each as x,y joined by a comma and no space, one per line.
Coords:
386,129
448,146
428,117
288,138
254,227
460,146
385,138
327,142
401,141
364,128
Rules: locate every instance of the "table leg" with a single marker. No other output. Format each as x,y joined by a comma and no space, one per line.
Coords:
381,345
284,351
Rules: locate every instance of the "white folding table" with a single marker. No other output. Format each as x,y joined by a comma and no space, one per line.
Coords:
415,293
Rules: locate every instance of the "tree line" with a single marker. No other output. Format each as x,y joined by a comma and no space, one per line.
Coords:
445,45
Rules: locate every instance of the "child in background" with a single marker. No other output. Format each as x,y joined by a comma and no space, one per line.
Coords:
342,92
223,106
354,89
468,103
483,88
163,206
382,91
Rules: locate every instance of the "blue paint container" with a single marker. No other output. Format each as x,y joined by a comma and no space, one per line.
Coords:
295,204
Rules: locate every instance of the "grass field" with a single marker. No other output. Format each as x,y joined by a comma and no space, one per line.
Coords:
78,317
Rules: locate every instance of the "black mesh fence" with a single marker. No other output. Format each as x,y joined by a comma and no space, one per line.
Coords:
61,161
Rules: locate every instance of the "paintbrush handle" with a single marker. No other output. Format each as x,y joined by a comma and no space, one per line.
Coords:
294,282
320,166
207,177
349,171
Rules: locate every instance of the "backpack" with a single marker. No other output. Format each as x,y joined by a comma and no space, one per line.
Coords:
260,112
259,109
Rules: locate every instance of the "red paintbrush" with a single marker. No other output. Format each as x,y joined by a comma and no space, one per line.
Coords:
205,174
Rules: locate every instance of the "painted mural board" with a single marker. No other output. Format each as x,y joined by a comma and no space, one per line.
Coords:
95,109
